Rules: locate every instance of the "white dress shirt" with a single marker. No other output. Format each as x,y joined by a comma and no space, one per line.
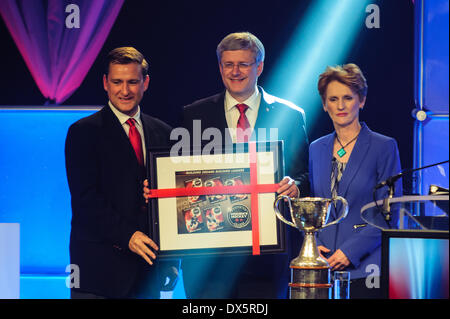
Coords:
232,113
137,117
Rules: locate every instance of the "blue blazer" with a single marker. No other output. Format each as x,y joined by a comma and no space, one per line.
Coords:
374,158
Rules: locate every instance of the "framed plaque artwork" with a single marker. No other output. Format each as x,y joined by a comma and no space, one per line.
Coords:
216,203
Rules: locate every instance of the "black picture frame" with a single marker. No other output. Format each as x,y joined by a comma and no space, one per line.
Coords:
165,172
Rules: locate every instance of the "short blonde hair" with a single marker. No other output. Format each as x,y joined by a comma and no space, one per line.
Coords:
348,74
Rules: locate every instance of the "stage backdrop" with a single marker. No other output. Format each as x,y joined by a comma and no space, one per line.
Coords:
35,194
431,94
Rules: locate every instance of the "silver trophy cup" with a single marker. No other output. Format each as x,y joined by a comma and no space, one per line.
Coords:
310,273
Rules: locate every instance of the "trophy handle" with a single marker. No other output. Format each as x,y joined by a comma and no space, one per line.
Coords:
344,211
279,215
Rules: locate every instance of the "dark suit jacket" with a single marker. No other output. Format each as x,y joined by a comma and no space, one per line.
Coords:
273,112
105,182
374,158
264,276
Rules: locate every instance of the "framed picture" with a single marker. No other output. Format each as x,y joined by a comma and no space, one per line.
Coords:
205,203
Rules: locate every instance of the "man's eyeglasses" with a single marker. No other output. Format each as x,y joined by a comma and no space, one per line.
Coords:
241,65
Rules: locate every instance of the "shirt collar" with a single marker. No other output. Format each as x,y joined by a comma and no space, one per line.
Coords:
252,102
123,117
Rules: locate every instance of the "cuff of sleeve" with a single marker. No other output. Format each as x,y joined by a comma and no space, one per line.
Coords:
354,260
125,238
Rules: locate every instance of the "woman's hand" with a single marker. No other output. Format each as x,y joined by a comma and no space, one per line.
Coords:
338,260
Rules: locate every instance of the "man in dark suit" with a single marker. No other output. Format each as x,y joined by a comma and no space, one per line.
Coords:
105,153
244,111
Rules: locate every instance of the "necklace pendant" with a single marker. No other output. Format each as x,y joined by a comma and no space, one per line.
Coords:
341,152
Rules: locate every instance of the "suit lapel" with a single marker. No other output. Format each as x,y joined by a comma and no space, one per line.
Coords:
116,135
217,117
356,159
326,155
266,110
149,136
267,116
216,111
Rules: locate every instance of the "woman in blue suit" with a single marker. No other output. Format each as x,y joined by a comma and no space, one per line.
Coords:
350,162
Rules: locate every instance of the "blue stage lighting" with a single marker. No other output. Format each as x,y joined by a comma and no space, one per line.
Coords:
324,37
35,194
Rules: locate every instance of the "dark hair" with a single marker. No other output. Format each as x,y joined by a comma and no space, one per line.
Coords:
241,41
126,55
349,74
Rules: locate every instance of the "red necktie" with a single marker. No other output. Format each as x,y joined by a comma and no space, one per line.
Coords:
135,139
242,124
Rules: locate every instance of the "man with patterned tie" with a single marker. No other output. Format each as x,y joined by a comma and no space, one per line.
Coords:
110,240
240,113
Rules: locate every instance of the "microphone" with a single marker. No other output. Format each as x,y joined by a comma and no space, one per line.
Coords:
391,180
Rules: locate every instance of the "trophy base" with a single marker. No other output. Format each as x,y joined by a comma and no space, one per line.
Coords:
310,283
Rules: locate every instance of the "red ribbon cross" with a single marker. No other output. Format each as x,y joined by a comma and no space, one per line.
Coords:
253,189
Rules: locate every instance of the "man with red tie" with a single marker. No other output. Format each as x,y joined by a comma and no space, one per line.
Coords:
110,239
241,112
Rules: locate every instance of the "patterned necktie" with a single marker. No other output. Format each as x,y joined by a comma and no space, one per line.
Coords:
334,177
242,124
135,139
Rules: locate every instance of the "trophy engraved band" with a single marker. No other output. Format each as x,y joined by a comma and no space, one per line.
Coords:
310,273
